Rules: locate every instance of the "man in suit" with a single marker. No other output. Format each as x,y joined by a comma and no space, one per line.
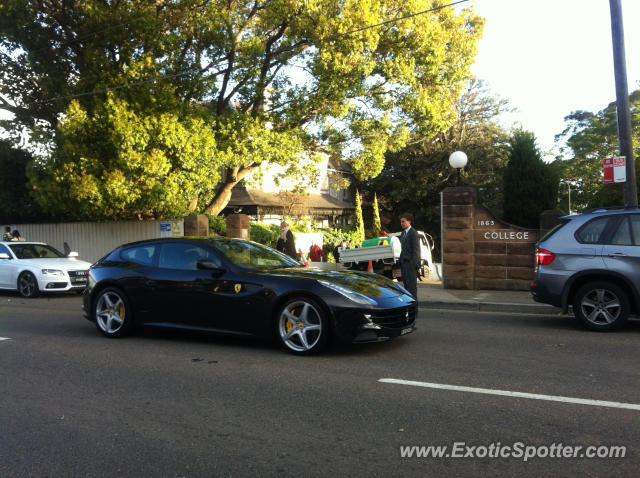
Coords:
409,255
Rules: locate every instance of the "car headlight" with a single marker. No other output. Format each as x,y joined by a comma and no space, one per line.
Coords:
354,296
52,272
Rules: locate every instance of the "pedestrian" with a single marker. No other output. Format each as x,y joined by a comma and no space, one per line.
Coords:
409,254
316,254
287,243
7,234
336,252
15,236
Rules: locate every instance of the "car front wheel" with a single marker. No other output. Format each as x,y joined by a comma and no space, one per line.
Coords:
112,312
601,306
28,285
302,327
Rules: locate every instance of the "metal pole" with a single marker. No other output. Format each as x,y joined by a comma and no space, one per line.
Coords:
458,169
629,188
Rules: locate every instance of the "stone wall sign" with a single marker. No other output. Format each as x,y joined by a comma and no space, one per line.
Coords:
481,251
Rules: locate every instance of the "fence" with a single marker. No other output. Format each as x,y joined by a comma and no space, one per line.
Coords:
92,240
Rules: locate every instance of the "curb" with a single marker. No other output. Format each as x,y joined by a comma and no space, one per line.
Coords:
474,306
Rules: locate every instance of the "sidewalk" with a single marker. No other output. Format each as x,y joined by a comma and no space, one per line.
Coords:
432,295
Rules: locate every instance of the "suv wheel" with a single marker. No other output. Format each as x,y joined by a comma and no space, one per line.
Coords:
601,306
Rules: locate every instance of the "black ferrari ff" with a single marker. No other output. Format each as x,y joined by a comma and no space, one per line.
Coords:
244,288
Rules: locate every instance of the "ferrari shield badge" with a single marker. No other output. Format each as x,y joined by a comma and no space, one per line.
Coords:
237,287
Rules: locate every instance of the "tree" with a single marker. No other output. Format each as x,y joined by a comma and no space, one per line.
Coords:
273,80
377,227
413,178
16,205
358,223
530,185
589,138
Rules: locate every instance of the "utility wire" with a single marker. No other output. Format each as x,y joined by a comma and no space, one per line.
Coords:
283,50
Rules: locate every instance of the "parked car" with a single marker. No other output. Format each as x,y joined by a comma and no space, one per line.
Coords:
34,267
244,288
591,261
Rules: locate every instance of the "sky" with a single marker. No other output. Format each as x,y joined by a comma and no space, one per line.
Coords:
549,58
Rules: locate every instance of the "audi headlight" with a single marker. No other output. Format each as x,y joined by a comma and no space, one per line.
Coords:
352,295
52,272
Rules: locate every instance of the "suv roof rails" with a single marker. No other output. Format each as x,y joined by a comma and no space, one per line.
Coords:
606,208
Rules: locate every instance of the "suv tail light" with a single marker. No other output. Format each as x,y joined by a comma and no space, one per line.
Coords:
544,257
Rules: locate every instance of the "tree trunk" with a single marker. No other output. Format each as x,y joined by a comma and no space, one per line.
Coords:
223,195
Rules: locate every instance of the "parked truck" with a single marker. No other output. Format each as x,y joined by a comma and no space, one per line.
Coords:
385,255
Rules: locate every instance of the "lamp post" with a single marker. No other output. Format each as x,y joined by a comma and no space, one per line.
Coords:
458,160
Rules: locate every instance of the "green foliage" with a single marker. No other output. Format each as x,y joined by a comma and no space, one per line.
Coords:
530,185
377,227
266,234
358,221
235,84
217,225
412,179
116,163
591,137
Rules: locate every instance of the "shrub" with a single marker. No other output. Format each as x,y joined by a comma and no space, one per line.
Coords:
266,234
217,225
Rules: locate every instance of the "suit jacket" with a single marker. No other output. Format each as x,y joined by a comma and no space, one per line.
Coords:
410,253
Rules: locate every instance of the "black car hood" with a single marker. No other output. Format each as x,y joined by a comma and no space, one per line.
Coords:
373,285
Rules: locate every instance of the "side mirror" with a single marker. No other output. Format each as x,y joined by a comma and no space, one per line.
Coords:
4,255
209,265
72,254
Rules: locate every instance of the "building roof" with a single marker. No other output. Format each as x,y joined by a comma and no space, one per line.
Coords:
251,197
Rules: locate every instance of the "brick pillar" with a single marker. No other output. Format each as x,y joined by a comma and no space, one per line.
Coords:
458,205
238,226
196,225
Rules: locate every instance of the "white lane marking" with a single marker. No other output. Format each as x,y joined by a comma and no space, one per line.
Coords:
5,338
506,393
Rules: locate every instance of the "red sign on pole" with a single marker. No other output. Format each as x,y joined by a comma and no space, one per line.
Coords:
614,169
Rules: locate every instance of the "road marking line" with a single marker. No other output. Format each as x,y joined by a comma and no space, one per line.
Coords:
5,338
506,393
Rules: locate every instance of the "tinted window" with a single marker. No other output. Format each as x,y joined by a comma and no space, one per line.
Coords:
592,232
635,228
184,256
555,229
34,251
5,250
140,254
622,234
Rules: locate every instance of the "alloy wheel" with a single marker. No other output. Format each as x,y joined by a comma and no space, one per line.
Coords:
27,285
111,312
300,326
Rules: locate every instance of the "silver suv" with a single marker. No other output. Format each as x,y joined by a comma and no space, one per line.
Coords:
591,261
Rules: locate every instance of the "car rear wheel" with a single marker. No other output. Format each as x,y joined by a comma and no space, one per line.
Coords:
28,285
112,312
302,327
601,306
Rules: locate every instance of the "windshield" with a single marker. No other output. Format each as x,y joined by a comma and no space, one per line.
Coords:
253,255
34,251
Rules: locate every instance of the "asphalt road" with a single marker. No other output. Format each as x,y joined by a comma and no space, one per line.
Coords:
73,403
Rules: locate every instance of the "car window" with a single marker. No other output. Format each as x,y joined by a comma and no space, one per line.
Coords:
253,255
622,234
4,249
142,255
592,232
34,251
184,256
635,228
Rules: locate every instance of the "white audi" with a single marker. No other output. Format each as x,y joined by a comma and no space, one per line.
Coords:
34,267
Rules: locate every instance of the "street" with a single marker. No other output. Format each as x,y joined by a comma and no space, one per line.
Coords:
160,403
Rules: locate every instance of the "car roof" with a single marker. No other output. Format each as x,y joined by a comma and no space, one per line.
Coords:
201,239
8,243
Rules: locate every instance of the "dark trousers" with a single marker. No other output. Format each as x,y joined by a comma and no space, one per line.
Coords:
410,278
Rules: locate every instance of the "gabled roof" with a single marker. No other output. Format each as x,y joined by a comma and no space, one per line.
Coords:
251,197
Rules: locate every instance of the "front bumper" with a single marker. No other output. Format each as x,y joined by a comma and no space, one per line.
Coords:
375,325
